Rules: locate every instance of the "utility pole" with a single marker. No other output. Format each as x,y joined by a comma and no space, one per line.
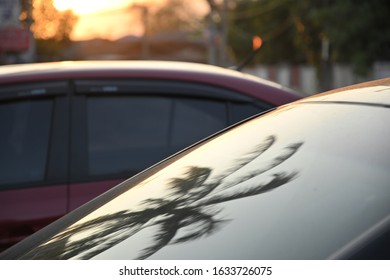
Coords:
326,66
223,58
212,33
31,52
218,30
145,24
211,40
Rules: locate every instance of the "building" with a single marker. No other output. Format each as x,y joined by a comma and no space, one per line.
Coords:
16,41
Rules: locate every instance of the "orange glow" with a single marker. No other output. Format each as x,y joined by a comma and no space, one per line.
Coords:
48,22
83,7
112,26
108,19
256,42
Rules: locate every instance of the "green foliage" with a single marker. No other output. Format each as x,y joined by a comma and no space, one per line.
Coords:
358,30
284,26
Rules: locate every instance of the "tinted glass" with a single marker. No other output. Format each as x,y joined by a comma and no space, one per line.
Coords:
241,111
24,141
298,183
128,134
195,119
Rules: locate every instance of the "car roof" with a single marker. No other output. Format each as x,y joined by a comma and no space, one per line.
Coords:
375,93
72,69
169,70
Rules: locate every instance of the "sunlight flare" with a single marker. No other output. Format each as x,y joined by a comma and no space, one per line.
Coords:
90,6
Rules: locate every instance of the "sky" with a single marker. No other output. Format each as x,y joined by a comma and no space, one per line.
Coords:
84,7
102,18
107,19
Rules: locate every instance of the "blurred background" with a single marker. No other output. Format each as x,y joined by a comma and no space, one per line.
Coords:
308,45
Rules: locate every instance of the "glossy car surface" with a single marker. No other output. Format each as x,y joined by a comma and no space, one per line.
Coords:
309,180
71,130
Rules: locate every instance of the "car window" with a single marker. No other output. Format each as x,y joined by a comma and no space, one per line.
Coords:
194,120
241,111
126,133
25,128
131,133
114,137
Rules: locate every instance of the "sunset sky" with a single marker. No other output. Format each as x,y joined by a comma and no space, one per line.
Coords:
107,18
91,6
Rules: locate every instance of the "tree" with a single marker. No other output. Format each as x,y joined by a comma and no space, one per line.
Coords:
173,15
51,28
358,31
49,23
284,26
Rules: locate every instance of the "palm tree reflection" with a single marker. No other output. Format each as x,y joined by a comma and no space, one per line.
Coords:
194,201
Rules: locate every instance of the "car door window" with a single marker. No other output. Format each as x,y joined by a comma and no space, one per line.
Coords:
196,119
25,128
124,126
126,133
241,111
129,133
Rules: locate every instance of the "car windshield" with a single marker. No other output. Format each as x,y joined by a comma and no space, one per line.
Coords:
296,183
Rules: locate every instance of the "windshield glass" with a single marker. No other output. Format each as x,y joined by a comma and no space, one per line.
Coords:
296,183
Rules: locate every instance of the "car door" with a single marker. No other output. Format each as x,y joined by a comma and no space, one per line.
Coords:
34,157
121,127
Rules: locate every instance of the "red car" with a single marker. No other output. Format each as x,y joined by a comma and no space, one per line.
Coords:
71,130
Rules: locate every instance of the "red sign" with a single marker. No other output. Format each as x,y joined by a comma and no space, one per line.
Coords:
14,39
